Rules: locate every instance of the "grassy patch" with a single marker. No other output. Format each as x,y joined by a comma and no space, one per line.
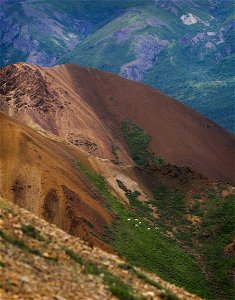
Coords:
3,205
23,246
77,258
141,275
138,142
145,246
169,201
217,233
167,295
141,208
2,264
116,286
213,235
148,248
30,231
164,294
18,243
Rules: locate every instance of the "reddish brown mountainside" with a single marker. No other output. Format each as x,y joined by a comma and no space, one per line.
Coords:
39,174
86,107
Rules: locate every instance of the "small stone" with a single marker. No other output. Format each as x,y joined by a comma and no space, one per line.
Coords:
149,294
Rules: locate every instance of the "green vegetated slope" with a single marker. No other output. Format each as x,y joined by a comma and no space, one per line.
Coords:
149,249
41,31
186,243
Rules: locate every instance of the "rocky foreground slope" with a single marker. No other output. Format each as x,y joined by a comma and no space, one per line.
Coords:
40,261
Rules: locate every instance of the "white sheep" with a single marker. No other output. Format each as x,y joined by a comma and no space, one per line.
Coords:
148,228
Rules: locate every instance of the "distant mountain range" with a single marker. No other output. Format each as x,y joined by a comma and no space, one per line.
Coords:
185,48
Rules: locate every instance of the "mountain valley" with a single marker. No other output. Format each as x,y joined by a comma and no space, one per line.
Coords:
124,167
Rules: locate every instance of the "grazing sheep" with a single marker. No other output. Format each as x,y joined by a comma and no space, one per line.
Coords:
140,222
136,225
136,219
148,228
128,219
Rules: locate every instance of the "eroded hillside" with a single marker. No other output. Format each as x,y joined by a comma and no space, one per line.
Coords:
116,163
86,107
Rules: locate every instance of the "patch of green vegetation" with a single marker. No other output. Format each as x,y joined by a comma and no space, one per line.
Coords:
213,235
30,231
18,243
140,275
21,245
77,258
141,208
138,206
138,142
165,294
3,205
169,201
217,233
2,264
147,247
148,280
212,195
196,196
116,286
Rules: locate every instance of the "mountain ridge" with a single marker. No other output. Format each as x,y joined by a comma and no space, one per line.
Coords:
188,139
81,148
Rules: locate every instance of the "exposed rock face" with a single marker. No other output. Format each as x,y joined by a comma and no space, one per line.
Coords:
190,19
147,48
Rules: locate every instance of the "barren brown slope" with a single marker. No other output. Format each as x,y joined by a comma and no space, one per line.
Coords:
39,174
86,107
